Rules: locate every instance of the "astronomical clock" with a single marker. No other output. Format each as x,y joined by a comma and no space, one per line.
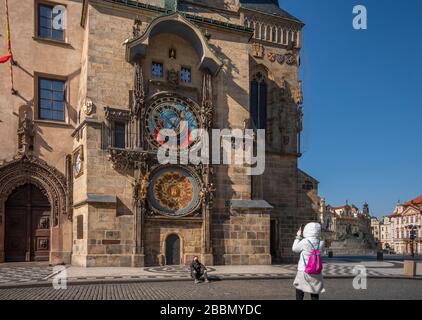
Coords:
173,190
176,114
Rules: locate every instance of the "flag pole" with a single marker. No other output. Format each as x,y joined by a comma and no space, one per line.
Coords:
9,47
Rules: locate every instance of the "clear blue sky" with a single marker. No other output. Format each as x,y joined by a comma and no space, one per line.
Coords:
363,105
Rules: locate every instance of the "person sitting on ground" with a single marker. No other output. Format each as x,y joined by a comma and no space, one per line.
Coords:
198,270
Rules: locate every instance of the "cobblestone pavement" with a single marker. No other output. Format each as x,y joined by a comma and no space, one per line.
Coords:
338,289
40,273
24,273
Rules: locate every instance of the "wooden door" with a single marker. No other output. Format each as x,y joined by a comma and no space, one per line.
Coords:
16,235
173,250
40,234
27,232
273,238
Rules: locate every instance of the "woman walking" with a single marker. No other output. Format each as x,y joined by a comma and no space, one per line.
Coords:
309,270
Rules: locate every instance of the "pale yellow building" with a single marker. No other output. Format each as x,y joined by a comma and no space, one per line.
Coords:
404,228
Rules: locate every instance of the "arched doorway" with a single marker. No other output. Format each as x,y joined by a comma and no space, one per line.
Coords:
173,250
27,225
27,169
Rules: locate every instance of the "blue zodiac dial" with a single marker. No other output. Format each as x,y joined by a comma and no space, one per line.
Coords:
179,117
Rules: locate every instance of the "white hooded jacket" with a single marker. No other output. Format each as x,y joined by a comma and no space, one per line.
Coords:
311,233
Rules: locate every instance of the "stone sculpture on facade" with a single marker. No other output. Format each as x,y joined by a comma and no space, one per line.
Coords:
26,134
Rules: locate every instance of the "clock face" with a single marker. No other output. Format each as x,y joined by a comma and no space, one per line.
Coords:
177,115
174,191
78,163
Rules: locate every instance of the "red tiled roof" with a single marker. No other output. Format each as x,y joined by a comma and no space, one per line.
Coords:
417,200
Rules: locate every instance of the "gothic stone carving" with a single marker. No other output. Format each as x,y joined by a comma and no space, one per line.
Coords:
125,159
173,77
299,94
26,135
142,178
288,58
136,28
207,109
138,91
29,169
88,107
258,50
112,114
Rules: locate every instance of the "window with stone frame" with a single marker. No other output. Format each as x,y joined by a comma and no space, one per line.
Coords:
51,99
116,128
47,28
119,140
258,101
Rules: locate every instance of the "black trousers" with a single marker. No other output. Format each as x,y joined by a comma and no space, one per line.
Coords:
300,295
198,275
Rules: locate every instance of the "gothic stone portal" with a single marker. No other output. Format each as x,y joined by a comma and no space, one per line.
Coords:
34,208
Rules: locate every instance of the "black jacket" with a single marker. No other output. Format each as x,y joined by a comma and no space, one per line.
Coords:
197,266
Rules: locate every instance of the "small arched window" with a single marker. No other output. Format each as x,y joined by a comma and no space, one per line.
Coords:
274,34
258,101
263,29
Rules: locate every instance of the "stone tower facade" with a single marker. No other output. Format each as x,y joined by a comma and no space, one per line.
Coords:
127,69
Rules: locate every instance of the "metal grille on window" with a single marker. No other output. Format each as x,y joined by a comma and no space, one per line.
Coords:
157,70
186,75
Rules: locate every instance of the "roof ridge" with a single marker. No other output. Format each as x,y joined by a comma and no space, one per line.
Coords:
269,7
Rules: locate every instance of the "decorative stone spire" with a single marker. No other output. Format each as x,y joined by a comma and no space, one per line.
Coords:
138,90
207,111
299,94
366,208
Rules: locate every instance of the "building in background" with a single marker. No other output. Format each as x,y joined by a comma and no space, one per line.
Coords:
403,228
347,229
376,228
381,230
80,182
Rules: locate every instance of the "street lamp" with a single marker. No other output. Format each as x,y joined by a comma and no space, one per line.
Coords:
413,231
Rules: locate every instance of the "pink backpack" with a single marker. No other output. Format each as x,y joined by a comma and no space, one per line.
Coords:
314,265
